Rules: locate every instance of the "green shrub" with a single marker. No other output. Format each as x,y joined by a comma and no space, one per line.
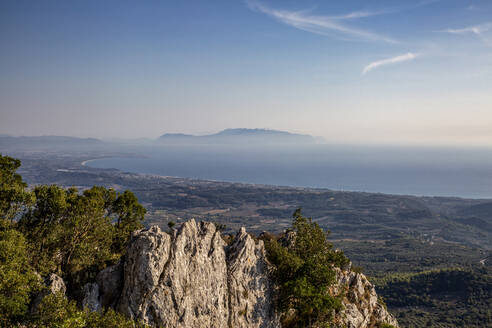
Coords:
76,235
52,229
386,325
56,311
303,272
17,279
13,194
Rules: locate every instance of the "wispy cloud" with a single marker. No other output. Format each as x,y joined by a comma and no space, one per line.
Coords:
477,30
325,25
394,10
398,59
360,14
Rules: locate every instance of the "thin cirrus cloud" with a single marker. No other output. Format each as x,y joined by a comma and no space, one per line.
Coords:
333,25
360,14
477,30
325,25
394,60
364,13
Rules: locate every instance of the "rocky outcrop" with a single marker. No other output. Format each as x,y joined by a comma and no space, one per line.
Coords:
110,282
191,278
53,284
250,291
106,291
178,281
91,297
144,264
361,305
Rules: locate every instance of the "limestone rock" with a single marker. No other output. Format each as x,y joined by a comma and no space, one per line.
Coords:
110,282
361,306
53,284
251,293
192,279
91,297
288,239
144,264
182,283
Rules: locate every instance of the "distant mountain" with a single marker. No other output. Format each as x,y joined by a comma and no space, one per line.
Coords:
177,136
249,136
47,141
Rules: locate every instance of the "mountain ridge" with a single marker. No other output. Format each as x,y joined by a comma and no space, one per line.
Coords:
234,135
48,139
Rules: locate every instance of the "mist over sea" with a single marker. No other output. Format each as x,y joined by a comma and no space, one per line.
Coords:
404,170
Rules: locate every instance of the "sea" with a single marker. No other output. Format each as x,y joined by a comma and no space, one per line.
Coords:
421,171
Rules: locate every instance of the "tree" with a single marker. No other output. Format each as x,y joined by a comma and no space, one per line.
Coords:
13,196
129,216
303,272
75,234
53,229
17,279
43,226
87,235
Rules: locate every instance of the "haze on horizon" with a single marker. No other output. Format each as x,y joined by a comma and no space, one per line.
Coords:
398,72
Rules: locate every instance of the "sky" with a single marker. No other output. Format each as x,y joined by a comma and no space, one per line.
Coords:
356,72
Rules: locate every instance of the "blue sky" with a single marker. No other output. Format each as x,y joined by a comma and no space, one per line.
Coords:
403,72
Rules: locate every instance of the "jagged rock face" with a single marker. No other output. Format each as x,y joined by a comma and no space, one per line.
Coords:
250,291
361,306
191,278
144,264
188,285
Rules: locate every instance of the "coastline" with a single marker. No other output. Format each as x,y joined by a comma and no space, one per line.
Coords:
258,185
269,185
84,163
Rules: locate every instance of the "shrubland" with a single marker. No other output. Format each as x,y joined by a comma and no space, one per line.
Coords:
304,270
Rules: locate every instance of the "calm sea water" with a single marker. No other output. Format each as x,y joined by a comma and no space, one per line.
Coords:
414,171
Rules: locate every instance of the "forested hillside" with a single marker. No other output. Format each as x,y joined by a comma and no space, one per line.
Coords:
453,297
51,230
